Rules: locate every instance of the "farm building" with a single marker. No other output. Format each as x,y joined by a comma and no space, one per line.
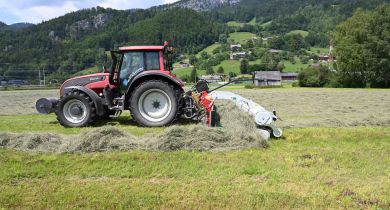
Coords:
275,51
267,78
212,78
289,76
184,64
267,38
239,55
234,47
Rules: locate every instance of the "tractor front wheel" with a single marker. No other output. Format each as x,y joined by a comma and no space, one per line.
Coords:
75,109
154,103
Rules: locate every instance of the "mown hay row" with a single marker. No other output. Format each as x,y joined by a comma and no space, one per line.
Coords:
238,132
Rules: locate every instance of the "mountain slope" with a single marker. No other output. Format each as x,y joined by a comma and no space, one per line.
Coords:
2,25
75,41
78,40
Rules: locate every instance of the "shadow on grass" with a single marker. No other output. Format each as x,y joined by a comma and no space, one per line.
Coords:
128,121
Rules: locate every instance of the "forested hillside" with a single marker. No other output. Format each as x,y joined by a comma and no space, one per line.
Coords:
78,40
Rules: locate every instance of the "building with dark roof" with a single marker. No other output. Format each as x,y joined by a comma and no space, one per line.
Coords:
267,78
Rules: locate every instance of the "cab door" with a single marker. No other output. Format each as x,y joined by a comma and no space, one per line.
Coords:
135,62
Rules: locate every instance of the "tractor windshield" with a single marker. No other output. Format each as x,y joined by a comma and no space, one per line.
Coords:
132,64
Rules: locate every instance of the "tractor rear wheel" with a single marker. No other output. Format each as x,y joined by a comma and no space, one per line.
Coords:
75,109
154,103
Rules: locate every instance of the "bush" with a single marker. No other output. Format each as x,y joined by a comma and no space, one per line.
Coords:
316,77
232,74
249,86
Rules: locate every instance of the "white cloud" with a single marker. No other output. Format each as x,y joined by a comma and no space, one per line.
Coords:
36,14
116,4
169,1
35,11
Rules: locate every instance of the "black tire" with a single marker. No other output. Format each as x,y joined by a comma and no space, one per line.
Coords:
77,100
163,100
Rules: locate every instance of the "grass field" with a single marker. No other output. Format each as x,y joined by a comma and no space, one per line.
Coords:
239,24
301,32
324,107
209,49
240,37
335,154
235,24
319,50
311,168
296,67
266,24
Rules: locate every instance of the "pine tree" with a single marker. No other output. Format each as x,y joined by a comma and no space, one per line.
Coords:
193,77
244,65
209,70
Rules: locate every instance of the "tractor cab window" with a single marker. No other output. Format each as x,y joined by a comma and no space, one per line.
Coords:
152,61
132,64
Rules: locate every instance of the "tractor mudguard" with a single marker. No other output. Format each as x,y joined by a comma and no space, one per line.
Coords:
93,95
156,75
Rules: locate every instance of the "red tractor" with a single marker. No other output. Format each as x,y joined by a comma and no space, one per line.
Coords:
140,80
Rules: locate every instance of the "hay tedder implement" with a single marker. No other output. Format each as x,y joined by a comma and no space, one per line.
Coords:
140,80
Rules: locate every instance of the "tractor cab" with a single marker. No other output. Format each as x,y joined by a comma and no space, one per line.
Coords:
129,62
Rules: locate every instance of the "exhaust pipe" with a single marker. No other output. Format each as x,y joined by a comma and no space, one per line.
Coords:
46,105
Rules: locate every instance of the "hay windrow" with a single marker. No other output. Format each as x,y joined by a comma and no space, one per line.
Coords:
238,132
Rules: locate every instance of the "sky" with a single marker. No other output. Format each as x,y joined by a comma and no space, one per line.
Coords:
36,11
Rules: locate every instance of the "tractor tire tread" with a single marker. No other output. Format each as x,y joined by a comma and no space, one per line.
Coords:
178,99
75,93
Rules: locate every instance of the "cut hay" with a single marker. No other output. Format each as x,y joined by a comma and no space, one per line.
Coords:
31,142
238,131
107,138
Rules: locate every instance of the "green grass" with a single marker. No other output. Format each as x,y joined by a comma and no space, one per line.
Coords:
312,168
252,22
266,24
301,32
234,24
229,66
240,37
289,67
37,123
209,49
187,71
319,50
239,24
233,66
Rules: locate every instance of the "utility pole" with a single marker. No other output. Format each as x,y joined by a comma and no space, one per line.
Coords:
39,77
44,78
42,82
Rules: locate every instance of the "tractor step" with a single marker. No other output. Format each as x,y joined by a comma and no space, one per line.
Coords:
119,103
117,114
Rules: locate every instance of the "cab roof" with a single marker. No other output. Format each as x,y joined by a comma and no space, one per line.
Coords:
141,48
